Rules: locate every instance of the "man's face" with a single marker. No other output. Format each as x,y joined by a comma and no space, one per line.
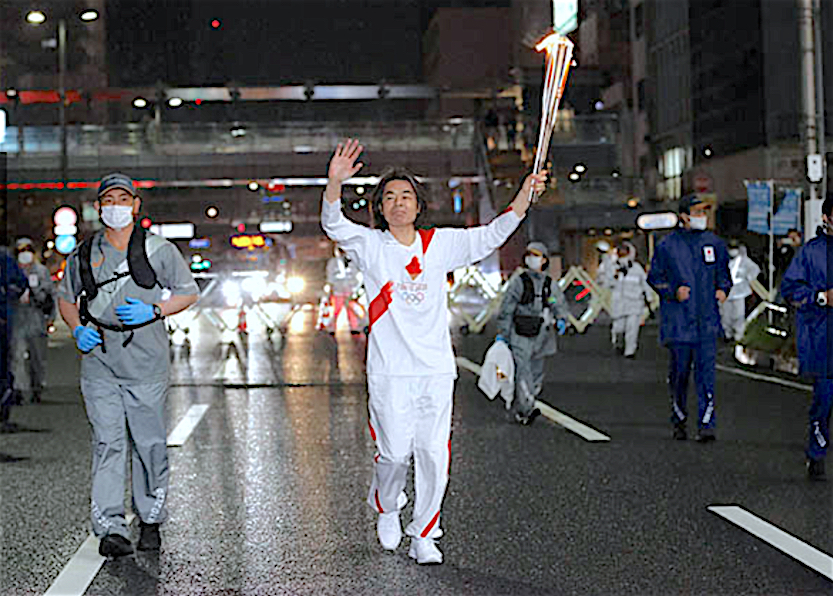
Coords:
399,203
118,196
699,210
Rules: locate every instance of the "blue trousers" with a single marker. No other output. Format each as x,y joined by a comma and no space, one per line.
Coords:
702,356
6,381
819,436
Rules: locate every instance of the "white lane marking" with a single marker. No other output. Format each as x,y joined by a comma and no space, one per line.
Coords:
582,430
767,378
81,569
186,426
560,418
786,543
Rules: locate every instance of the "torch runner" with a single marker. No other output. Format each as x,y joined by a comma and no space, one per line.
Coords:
559,51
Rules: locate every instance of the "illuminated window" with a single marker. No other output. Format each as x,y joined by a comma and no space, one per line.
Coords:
670,168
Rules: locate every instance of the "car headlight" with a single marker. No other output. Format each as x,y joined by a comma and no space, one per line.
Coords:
295,284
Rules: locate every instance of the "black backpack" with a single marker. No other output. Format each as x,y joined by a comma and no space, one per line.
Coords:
530,325
139,269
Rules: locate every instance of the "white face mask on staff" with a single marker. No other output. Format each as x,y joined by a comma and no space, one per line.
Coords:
699,222
117,216
25,258
534,262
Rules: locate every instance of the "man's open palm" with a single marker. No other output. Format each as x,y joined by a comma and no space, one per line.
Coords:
343,165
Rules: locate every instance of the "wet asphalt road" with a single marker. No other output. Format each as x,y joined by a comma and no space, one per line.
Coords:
267,494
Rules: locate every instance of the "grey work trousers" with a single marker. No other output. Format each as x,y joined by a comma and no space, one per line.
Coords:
121,415
529,379
29,361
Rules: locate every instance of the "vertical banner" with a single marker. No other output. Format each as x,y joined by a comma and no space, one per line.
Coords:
760,201
788,214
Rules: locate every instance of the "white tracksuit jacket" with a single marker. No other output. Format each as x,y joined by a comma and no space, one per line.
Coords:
410,362
406,287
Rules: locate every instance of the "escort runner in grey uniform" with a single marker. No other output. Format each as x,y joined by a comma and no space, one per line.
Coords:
125,373
32,318
518,319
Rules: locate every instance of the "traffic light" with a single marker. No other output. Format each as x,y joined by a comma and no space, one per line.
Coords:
64,228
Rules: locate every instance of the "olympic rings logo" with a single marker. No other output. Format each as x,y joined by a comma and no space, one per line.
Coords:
412,298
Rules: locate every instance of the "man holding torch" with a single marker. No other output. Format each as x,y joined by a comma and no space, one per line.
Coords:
410,362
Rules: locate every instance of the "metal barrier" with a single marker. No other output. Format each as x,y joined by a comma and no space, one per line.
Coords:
600,298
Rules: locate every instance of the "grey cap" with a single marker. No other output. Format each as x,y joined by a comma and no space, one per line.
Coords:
116,180
538,247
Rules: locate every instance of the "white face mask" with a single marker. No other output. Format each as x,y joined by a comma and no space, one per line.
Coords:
117,216
534,262
25,258
734,252
699,223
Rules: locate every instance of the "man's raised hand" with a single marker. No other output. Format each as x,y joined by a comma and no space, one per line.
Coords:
343,165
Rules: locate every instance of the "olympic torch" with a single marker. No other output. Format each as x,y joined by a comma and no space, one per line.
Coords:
559,51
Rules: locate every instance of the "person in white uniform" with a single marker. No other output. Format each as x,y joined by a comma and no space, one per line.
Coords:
343,277
630,294
733,312
410,362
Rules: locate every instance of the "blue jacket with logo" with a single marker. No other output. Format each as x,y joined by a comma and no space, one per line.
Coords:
699,260
811,272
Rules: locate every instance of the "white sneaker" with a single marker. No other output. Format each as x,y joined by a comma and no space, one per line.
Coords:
425,551
389,530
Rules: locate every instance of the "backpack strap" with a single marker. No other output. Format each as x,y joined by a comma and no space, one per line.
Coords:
546,292
85,256
529,289
137,259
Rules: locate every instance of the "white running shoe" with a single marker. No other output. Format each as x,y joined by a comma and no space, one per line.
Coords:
425,551
389,530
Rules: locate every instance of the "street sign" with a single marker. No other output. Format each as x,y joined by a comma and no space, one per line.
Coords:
815,168
657,221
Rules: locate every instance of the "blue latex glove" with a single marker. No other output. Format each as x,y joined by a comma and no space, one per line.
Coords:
501,338
135,312
561,325
86,339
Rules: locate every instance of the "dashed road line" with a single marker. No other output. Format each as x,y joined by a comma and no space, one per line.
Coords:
766,378
187,425
79,572
585,432
783,541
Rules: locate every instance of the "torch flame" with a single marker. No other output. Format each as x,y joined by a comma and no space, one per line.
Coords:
559,58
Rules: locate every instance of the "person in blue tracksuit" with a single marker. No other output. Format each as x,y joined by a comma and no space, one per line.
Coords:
690,272
808,285
13,287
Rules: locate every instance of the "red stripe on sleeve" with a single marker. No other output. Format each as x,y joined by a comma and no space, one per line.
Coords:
379,305
372,432
430,526
505,211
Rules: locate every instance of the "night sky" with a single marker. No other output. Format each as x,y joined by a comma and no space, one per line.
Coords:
269,42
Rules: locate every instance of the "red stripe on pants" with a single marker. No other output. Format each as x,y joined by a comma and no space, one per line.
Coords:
379,504
430,525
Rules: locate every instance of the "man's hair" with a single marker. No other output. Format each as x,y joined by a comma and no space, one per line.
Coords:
389,175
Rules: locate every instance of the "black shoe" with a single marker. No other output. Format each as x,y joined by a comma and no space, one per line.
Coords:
115,546
149,538
704,435
679,432
815,469
532,416
630,356
520,419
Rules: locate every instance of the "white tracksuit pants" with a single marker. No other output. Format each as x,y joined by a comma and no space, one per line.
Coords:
411,416
629,325
733,315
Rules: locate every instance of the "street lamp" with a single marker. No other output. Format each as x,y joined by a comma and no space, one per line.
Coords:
37,17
